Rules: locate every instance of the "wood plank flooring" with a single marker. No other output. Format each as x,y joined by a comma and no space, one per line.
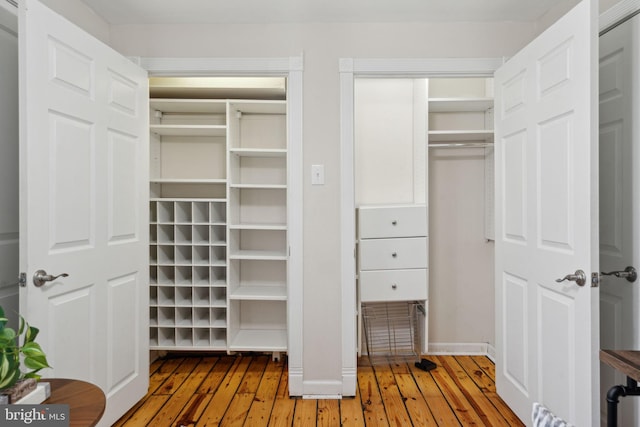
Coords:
252,391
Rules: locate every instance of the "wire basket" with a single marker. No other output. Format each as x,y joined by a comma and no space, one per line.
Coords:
392,329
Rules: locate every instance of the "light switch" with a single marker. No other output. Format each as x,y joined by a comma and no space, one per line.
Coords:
317,174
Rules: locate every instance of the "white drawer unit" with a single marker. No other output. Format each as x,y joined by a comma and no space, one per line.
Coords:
393,254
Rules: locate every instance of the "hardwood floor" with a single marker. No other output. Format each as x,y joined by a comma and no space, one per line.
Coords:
252,391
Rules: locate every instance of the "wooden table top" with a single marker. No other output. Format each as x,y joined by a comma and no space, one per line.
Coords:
86,401
625,361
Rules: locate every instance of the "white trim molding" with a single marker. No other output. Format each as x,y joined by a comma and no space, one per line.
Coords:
221,66
292,68
467,349
617,14
350,68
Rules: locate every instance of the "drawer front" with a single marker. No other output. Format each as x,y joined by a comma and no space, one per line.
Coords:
380,222
395,285
385,254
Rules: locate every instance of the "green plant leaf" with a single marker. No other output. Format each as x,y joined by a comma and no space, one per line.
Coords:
7,337
22,323
9,371
13,357
32,374
31,334
34,356
10,380
4,366
3,318
32,349
36,362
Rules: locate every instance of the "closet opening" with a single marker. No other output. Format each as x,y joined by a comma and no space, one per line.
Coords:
219,239
423,168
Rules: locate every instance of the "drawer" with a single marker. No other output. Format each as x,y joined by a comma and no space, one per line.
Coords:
392,221
385,254
394,285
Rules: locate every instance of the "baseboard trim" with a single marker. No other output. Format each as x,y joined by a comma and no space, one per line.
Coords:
465,349
322,389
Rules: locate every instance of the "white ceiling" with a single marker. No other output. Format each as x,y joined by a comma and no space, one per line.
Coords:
307,11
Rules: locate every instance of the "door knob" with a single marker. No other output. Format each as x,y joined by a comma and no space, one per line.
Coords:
629,273
579,277
41,276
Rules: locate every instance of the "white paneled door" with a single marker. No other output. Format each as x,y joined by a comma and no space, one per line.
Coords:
547,222
84,205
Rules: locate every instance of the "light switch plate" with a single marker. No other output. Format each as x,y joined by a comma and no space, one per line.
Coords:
317,174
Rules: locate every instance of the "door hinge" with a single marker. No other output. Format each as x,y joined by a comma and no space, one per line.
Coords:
595,279
22,279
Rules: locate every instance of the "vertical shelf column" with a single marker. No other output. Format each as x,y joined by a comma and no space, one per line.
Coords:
188,224
257,226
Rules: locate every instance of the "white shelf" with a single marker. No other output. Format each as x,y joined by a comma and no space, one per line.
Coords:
267,227
254,152
260,186
259,293
258,107
186,181
259,340
198,106
259,255
460,135
454,105
189,130
186,199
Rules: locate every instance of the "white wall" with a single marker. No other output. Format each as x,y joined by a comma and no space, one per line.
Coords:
322,45
81,15
461,278
384,141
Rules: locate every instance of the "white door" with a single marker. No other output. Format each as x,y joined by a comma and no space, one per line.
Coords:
84,205
619,203
547,222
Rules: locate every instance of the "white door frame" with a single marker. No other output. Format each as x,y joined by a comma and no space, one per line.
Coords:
350,68
292,69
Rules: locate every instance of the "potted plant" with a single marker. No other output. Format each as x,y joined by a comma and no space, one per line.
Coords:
18,351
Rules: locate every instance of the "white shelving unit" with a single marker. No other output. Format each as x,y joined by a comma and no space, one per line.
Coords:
219,240
258,239
460,111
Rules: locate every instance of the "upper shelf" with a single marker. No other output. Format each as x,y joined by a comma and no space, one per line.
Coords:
258,107
451,105
186,106
189,130
257,152
460,135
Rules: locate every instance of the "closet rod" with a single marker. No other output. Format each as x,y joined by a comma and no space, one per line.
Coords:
461,145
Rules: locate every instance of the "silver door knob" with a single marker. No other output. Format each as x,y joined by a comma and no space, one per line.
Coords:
579,277
40,277
629,273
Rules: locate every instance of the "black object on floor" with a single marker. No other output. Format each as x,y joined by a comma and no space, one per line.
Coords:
425,365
